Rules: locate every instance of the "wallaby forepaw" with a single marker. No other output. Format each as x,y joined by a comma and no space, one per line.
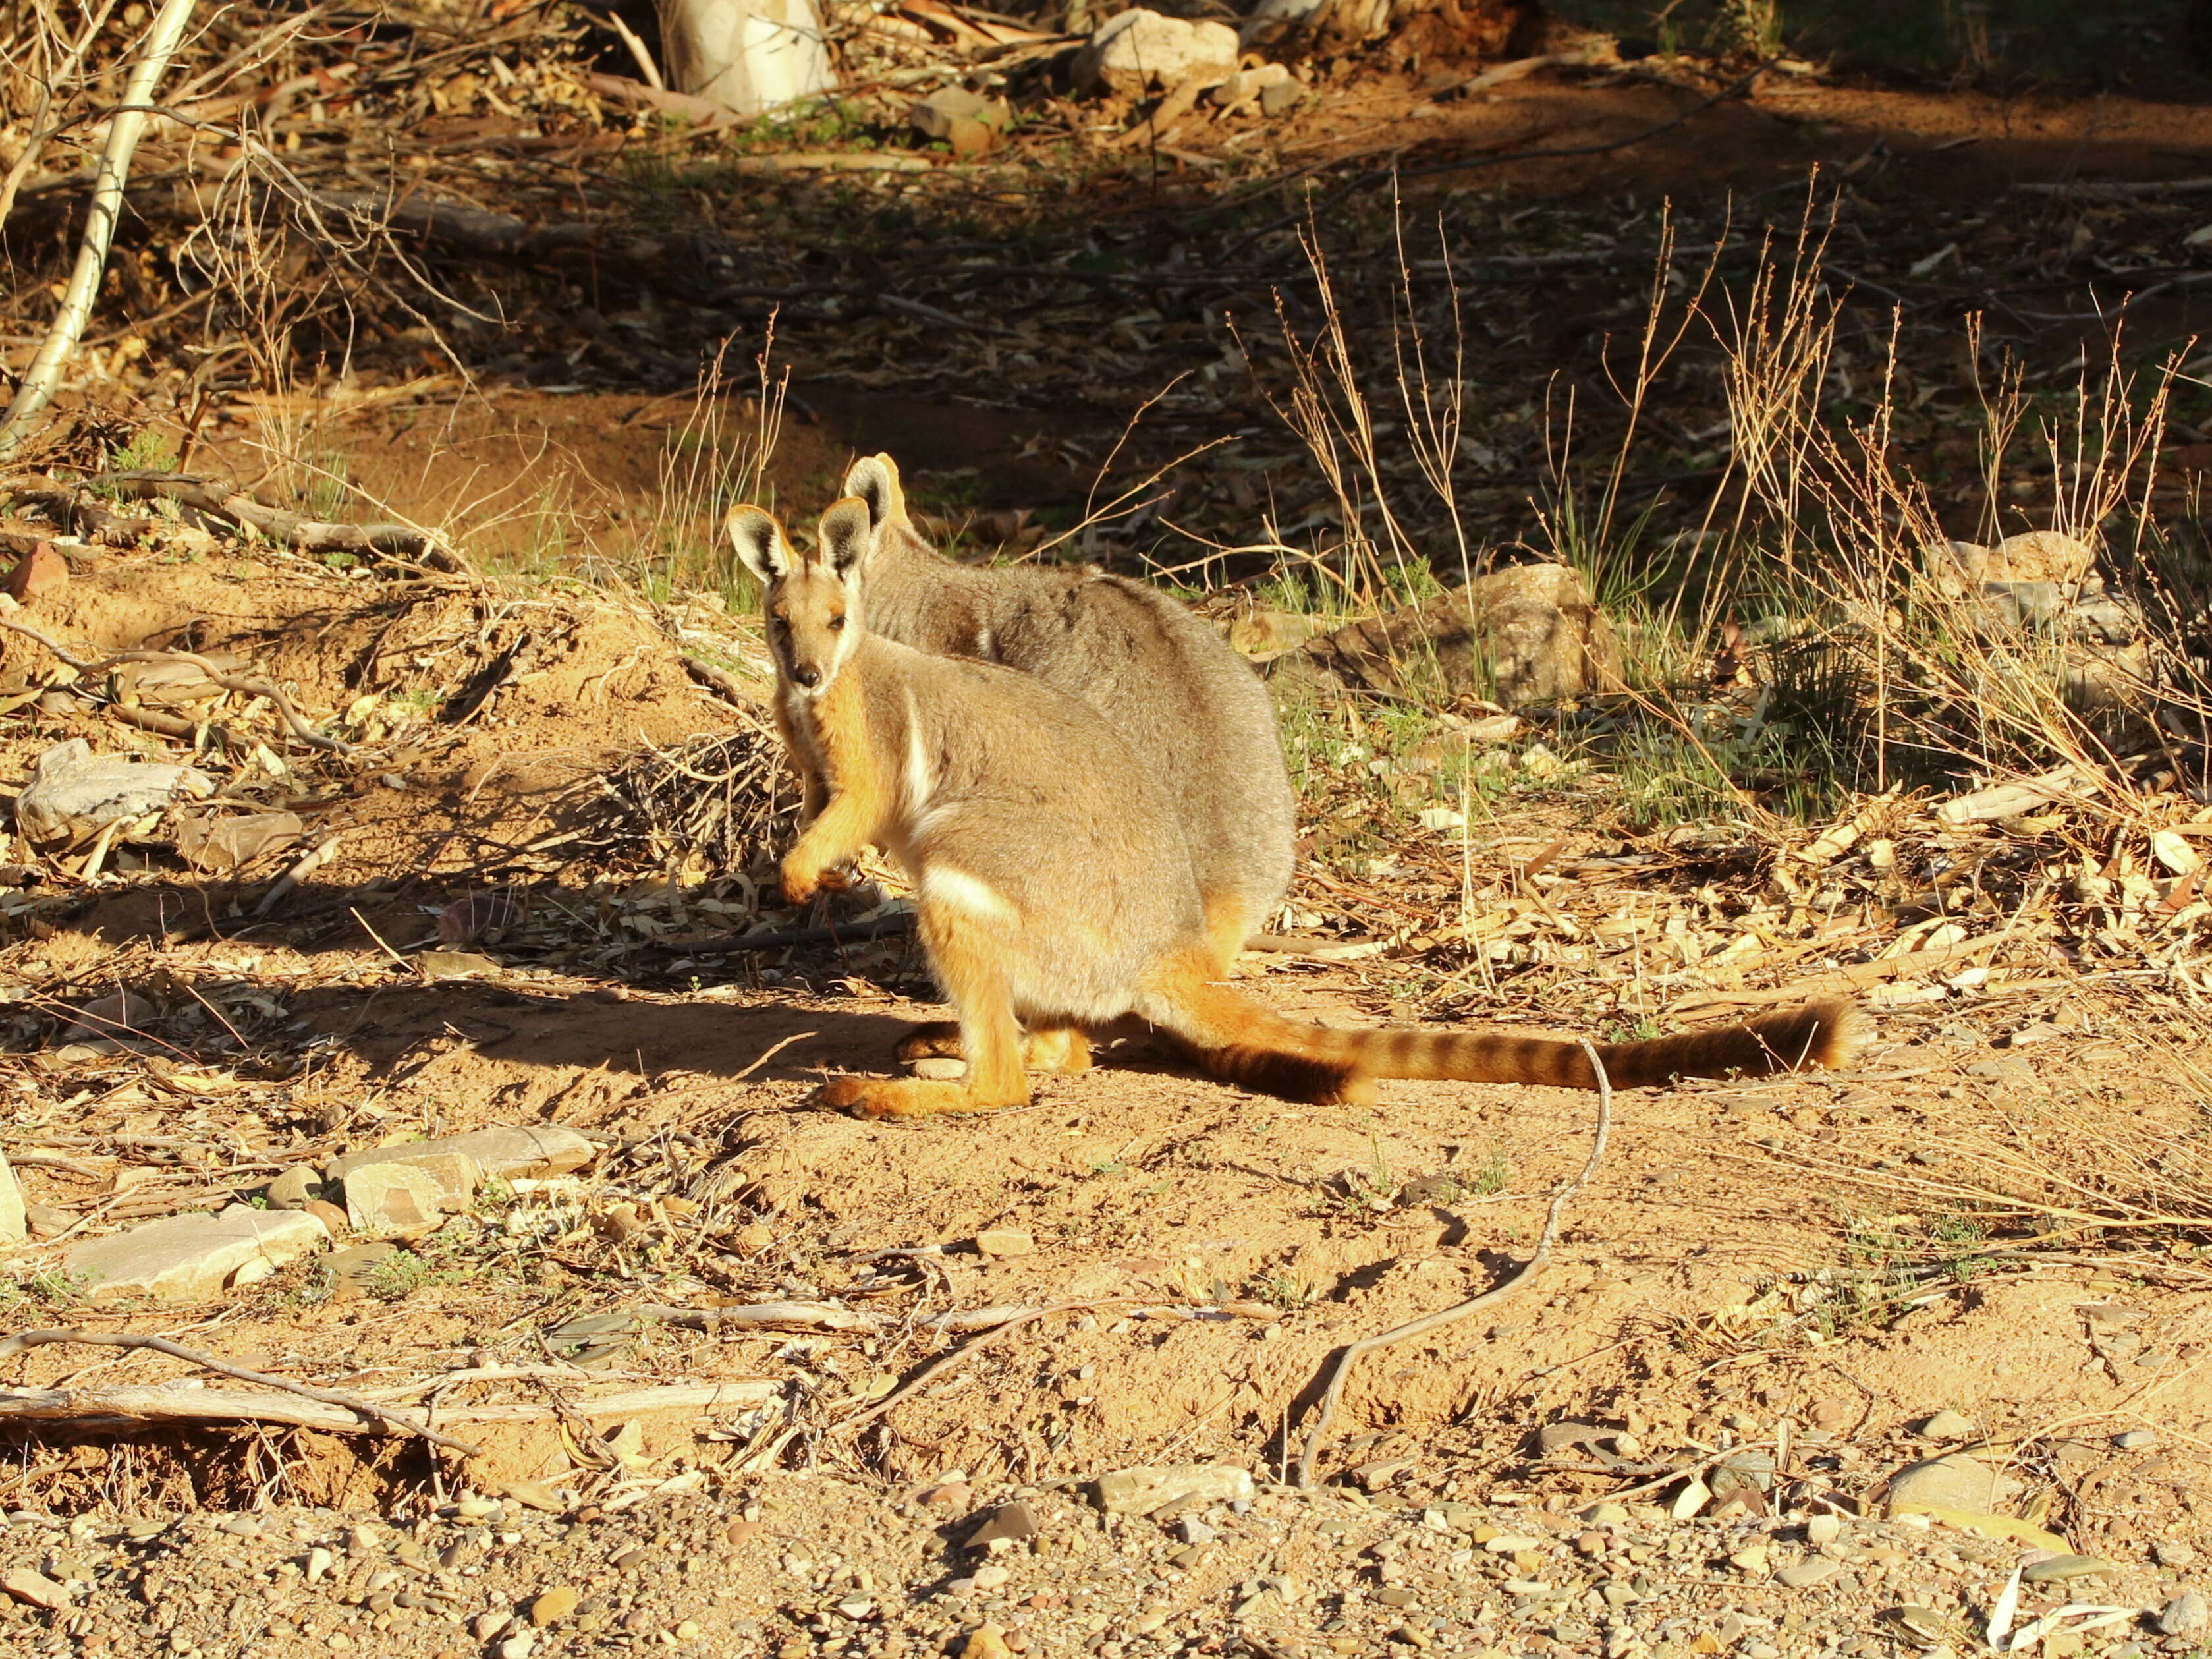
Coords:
843,1092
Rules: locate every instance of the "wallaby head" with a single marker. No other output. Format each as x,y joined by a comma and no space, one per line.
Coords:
875,479
813,598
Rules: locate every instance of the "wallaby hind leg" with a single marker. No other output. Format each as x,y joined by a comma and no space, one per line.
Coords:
970,969
1227,925
1055,1048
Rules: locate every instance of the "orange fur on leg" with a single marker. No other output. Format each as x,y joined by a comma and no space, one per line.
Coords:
969,968
1227,926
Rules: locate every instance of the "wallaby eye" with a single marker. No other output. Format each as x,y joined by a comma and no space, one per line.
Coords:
836,622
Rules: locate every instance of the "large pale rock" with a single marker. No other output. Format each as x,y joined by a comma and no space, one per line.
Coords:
391,1198
14,1225
505,1152
1139,51
454,1175
1956,1482
74,793
1141,1490
2033,555
195,1258
1527,634
752,56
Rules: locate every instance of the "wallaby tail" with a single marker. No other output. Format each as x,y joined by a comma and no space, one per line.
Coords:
1240,1041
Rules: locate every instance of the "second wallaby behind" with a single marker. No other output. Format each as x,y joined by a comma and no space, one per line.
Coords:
1053,887
1193,710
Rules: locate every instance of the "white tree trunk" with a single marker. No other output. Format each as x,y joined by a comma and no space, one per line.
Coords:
749,55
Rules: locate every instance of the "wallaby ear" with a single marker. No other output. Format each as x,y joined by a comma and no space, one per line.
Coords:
842,538
760,541
875,479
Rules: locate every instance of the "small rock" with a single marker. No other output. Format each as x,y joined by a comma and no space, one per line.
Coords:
39,572
1924,1622
2174,1551
1822,1529
1955,1482
1141,1490
1751,1558
486,1626
294,1190
557,1603
332,1218
319,1561
948,1495
505,1151
2135,1439
1005,1241
991,1577
1373,1477
2058,1569
532,1494
1947,1424
1011,1523
1603,1514
1136,51
124,1015
1806,1574
1280,97
938,1068
520,1646
1694,1496
986,1641
391,1198
2184,1615
935,115
27,1585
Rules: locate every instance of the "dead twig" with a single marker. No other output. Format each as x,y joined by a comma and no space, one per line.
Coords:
92,670
1014,1322
1437,1321
398,1422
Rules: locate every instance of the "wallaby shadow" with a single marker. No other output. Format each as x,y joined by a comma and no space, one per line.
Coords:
397,1029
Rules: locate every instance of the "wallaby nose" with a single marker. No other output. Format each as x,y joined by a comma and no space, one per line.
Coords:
807,675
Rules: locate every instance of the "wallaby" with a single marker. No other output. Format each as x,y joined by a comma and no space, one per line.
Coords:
1053,888
1163,680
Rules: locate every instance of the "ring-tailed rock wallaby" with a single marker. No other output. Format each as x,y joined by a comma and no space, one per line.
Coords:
1054,890
1188,705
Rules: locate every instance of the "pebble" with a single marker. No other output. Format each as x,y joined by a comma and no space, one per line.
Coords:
2174,1551
991,1577
553,1604
1808,1573
1948,1424
2184,1615
319,1561
1751,1558
1823,1530
2135,1439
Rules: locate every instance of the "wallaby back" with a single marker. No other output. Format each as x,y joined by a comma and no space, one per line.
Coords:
1192,708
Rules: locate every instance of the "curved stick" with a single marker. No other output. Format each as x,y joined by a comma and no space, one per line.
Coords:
1428,1322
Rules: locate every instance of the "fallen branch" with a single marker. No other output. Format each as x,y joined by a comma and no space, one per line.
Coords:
90,670
101,1402
1437,1321
45,373
765,1315
219,500
163,1403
